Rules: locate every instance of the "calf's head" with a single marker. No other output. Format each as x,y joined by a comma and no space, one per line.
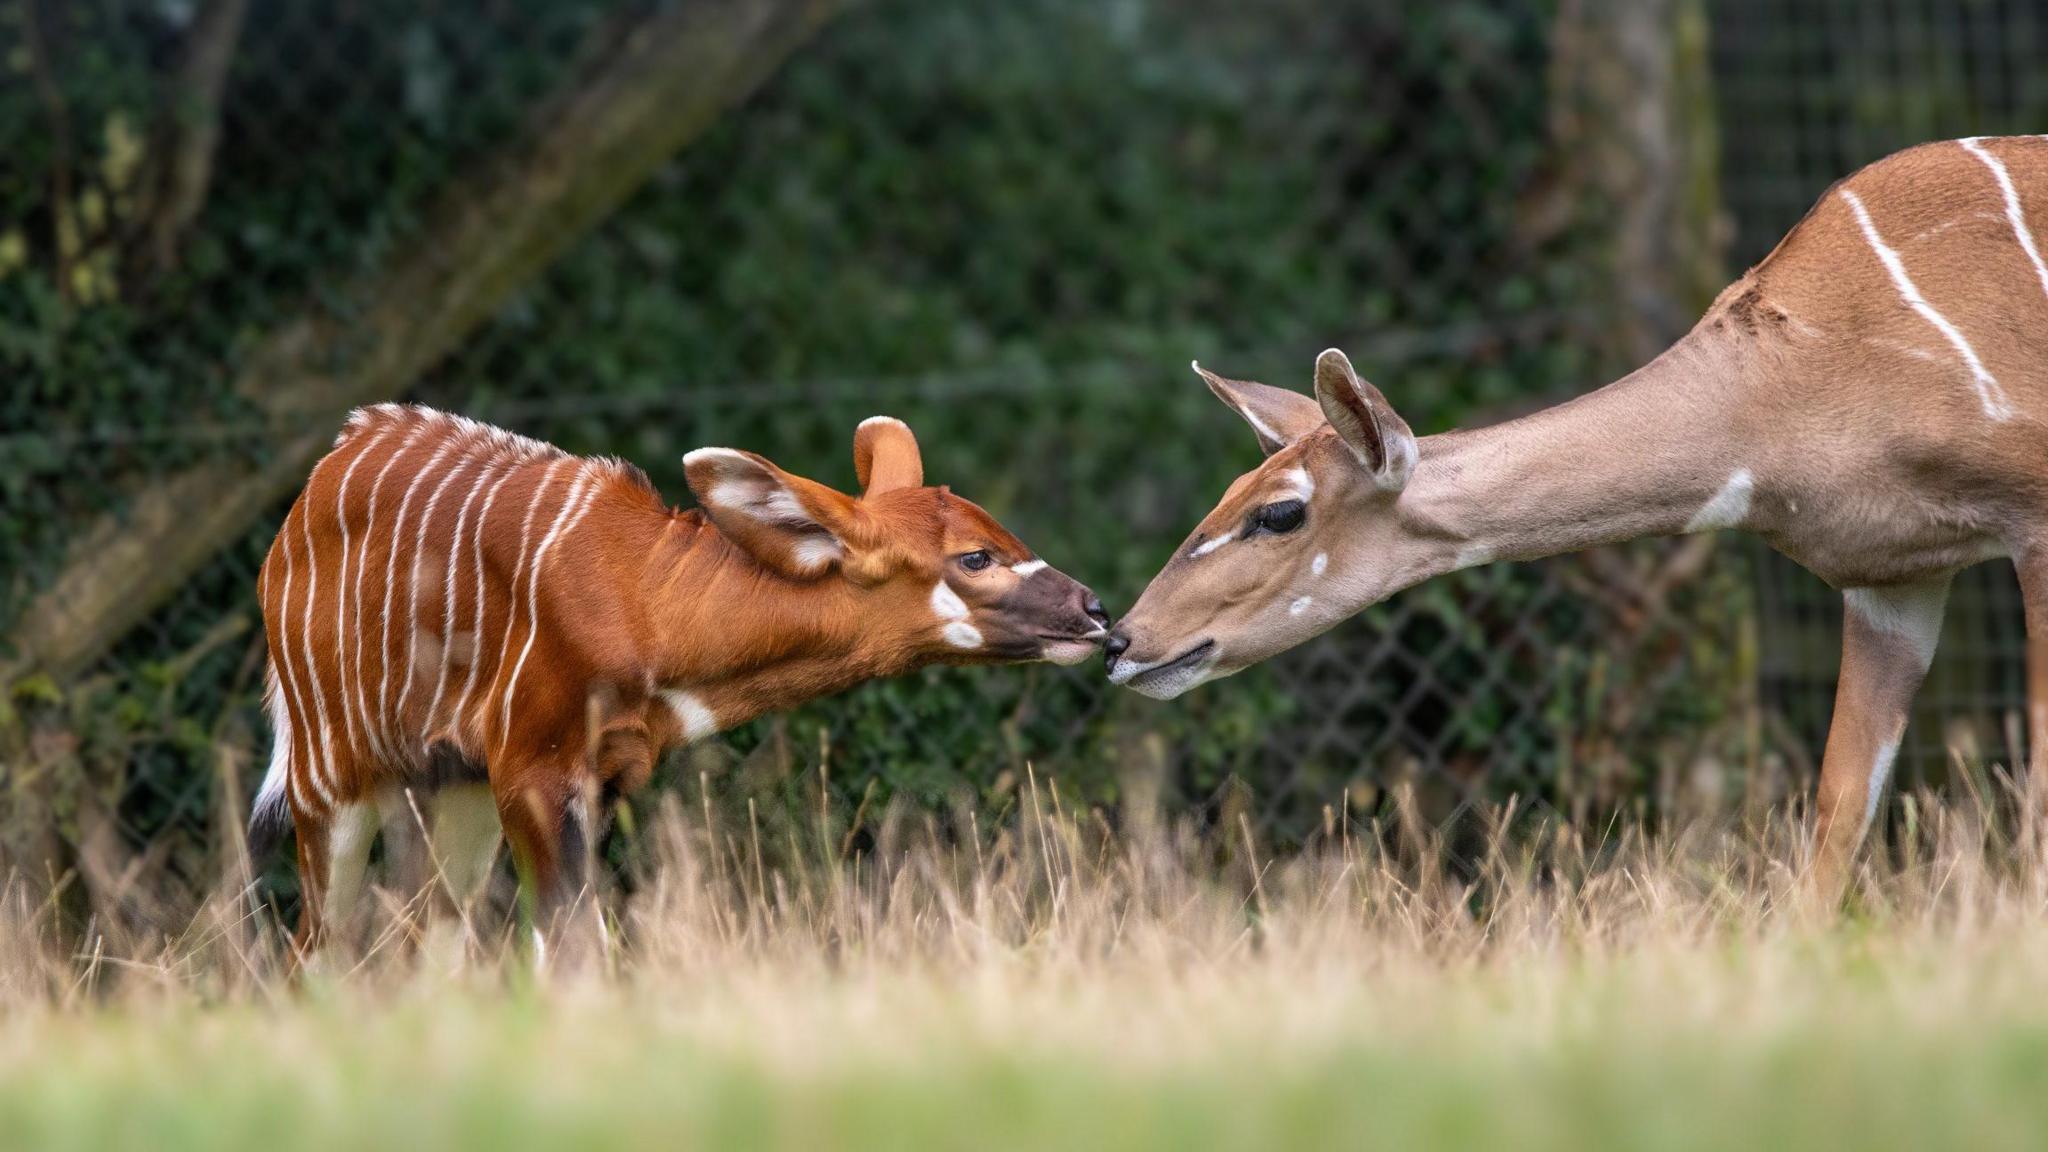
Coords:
919,574
1297,544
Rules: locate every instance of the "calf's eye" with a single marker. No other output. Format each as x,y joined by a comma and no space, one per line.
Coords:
976,561
1285,516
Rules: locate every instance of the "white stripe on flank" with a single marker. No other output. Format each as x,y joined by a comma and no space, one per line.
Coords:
519,567
348,726
384,717
2013,212
477,658
378,744
325,762
412,616
1988,391
563,525
448,582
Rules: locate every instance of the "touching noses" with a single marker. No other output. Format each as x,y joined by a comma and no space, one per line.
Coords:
1093,610
1113,648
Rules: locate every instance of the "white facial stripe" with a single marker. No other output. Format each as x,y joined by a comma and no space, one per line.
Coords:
691,712
1304,484
1729,506
1208,546
1028,567
1300,606
2015,214
961,634
1912,613
1988,390
1321,564
946,603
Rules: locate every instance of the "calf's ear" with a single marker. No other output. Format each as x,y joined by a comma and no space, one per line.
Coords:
791,525
885,456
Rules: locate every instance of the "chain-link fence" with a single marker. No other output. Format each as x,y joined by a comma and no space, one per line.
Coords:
1006,223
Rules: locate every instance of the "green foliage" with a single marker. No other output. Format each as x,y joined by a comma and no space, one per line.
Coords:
1009,223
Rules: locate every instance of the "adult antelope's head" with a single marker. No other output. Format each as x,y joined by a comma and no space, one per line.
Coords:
923,575
1297,544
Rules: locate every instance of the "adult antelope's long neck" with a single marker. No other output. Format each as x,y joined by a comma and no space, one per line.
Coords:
1650,454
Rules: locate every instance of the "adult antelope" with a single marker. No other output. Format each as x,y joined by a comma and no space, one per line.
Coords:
519,632
1870,399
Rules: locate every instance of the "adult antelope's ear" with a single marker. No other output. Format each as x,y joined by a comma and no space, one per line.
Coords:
791,525
1366,422
885,456
1277,416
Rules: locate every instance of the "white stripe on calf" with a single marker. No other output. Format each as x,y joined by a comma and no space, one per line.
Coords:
455,543
1988,390
300,764
378,742
540,555
325,761
348,475
412,616
2013,211
384,718
477,659
519,567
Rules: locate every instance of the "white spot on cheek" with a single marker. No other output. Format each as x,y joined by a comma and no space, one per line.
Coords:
696,719
1209,546
1028,567
1322,562
1300,606
961,634
1728,508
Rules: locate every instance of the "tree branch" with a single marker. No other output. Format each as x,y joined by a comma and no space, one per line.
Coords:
181,154
629,108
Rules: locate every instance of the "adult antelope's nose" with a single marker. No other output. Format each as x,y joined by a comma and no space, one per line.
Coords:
1093,608
1113,649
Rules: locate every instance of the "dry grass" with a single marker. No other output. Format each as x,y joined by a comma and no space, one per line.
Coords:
1052,983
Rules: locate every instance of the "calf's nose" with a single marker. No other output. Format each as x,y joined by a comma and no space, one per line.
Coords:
1094,610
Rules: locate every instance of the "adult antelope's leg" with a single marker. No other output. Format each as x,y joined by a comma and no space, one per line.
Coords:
1888,638
2032,565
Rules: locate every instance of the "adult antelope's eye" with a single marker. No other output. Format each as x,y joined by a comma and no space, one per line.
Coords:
1285,516
976,561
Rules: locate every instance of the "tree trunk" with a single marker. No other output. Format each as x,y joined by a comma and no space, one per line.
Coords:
653,85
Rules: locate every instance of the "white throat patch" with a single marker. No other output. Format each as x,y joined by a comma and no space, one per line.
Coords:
1728,508
697,719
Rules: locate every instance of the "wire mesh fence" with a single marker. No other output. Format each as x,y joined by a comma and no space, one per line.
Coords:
1003,223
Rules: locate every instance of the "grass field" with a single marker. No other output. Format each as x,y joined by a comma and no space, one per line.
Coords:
1067,989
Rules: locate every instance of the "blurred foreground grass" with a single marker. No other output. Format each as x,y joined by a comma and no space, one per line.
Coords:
1053,987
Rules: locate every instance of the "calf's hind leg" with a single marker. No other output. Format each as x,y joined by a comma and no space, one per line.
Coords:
1888,638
